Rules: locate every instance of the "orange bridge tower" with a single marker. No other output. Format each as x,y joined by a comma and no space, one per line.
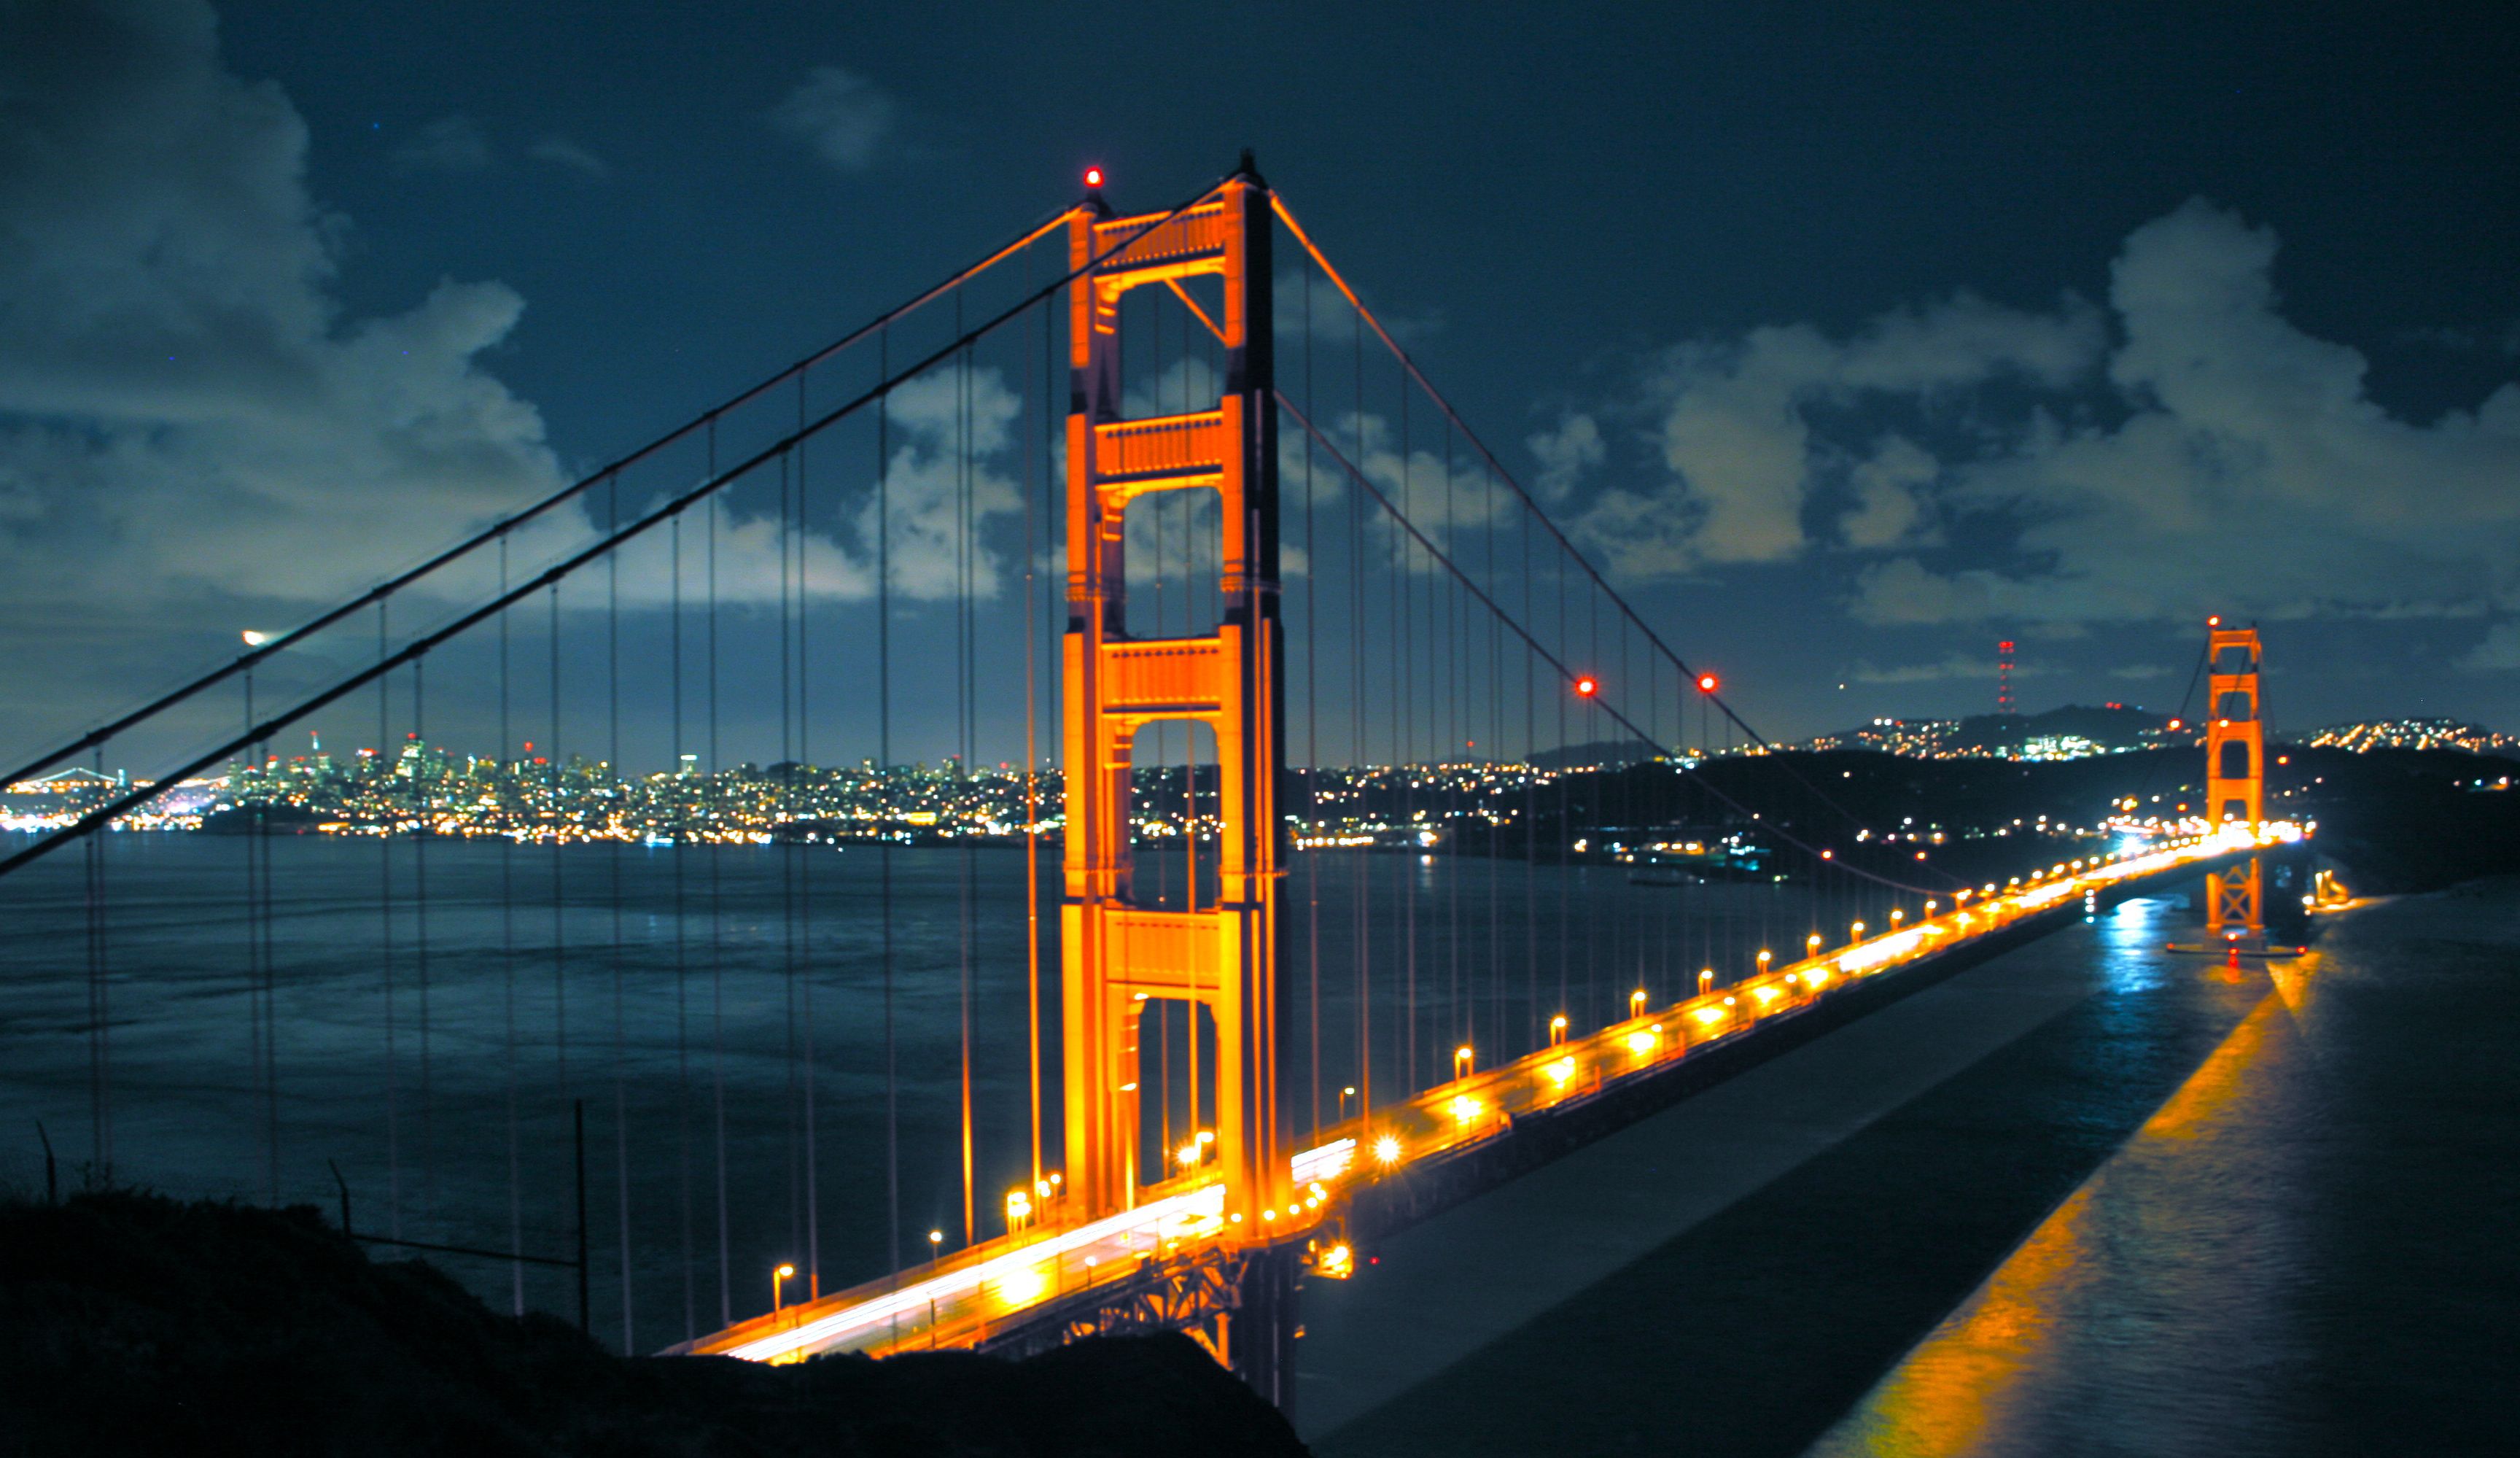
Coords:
1119,955
2235,786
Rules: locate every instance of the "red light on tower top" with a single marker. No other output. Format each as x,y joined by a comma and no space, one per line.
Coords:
1586,686
1094,177
1706,683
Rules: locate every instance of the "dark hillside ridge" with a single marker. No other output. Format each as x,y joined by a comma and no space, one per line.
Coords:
133,1323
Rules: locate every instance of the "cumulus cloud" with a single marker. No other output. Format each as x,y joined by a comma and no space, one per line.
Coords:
2185,449
2247,469
841,115
1740,426
450,144
184,405
1566,454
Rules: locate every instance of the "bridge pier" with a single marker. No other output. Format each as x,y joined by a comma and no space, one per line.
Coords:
1260,1332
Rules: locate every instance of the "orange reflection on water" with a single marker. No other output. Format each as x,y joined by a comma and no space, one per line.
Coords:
1955,1392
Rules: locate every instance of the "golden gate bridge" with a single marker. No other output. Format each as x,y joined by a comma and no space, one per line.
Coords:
1365,857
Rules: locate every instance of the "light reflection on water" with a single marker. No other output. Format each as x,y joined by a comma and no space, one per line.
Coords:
2303,1250
2162,1265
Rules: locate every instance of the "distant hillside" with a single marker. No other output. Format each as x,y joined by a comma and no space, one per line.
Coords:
2105,726
1604,753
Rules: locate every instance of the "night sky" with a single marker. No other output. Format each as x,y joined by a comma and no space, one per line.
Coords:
1848,341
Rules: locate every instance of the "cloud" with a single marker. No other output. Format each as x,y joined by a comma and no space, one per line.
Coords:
1566,455
450,144
184,404
1956,667
562,152
2246,469
843,116
1333,324
2187,449
1738,426
2499,652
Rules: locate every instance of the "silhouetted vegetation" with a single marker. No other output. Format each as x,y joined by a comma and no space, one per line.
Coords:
132,1323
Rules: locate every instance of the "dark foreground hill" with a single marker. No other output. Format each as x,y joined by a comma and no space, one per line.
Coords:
131,1323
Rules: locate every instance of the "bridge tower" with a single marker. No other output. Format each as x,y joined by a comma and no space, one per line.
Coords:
1118,956
2235,766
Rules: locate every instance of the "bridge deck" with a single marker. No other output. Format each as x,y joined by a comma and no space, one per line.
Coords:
991,1288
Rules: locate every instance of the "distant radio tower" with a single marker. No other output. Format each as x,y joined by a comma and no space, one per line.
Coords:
2004,676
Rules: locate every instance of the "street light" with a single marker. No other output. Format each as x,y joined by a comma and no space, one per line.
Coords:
1558,1029
777,1278
1895,915
1765,957
1705,981
1637,1003
1460,1060
1811,945
1345,1094
935,1250
1859,931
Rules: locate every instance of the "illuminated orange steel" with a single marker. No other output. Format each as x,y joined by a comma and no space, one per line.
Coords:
2235,766
1118,956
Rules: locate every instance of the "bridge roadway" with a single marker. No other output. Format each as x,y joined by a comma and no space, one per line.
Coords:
998,1288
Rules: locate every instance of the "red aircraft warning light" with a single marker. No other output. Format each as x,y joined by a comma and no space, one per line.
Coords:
1706,683
1586,686
1094,177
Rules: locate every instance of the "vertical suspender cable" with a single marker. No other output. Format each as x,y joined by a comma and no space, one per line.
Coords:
270,1015
100,1047
1359,782
783,844
1031,749
710,795
1455,684
677,820
508,818
1488,790
556,792
1403,751
383,767
422,830
253,849
1531,803
962,644
883,772
805,878
251,923
613,786
1311,746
